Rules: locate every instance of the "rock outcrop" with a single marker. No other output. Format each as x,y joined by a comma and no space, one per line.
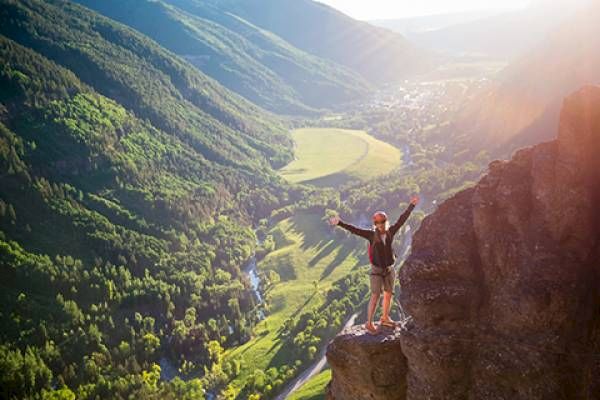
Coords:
367,366
503,281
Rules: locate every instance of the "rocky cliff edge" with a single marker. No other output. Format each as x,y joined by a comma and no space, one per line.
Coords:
502,285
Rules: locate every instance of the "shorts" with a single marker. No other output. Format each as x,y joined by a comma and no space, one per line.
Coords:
382,279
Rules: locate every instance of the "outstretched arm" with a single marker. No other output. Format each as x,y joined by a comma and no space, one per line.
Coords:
402,219
365,233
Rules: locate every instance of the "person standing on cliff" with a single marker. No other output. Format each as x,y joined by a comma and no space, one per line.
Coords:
382,258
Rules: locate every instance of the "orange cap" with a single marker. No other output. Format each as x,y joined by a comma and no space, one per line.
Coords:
380,214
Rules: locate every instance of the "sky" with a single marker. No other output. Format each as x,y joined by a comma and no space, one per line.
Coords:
389,9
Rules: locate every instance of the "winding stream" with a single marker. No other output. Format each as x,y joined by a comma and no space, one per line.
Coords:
169,371
250,270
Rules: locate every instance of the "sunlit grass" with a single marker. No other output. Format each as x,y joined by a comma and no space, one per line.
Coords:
307,249
328,156
314,388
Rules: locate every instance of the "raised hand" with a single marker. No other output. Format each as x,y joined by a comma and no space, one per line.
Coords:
334,220
414,200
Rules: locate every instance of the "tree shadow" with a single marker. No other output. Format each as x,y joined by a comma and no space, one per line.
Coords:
323,252
346,251
295,313
305,224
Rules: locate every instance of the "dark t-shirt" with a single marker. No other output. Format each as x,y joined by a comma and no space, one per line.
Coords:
382,252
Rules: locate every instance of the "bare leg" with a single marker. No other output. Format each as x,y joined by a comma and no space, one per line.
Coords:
387,300
371,311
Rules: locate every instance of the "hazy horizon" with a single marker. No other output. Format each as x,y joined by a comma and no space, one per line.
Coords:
382,9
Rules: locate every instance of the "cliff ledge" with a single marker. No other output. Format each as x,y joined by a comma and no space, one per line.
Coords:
502,285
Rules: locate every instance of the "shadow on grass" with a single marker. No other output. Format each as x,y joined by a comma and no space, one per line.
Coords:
346,251
313,230
332,180
324,252
254,340
295,313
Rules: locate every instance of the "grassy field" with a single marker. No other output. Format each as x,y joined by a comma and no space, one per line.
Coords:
314,389
305,254
329,157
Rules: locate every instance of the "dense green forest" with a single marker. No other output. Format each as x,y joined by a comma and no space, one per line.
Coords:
144,77
128,185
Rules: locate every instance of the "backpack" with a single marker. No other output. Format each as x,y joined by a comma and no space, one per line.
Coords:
370,252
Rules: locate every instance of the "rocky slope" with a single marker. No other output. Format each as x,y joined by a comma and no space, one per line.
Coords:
503,282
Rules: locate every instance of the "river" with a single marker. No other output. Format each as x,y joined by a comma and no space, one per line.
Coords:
250,271
169,371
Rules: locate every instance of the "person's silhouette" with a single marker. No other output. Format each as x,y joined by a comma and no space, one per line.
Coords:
382,258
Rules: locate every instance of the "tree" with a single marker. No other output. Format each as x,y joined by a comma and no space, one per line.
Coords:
63,393
312,351
151,344
12,215
215,351
151,377
23,373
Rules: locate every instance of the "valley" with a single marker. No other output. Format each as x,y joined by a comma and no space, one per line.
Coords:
309,257
306,262
168,169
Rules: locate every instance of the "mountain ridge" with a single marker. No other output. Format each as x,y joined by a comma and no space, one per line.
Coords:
522,105
503,36
269,73
378,54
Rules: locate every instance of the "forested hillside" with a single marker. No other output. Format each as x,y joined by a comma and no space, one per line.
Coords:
128,182
256,64
157,85
379,55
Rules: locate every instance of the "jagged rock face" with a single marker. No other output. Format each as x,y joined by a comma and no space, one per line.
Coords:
503,281
366,366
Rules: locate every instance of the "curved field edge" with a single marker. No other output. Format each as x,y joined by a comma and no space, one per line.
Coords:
331,156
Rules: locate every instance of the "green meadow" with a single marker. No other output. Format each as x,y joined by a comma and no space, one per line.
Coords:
330,156
314,388
309,260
